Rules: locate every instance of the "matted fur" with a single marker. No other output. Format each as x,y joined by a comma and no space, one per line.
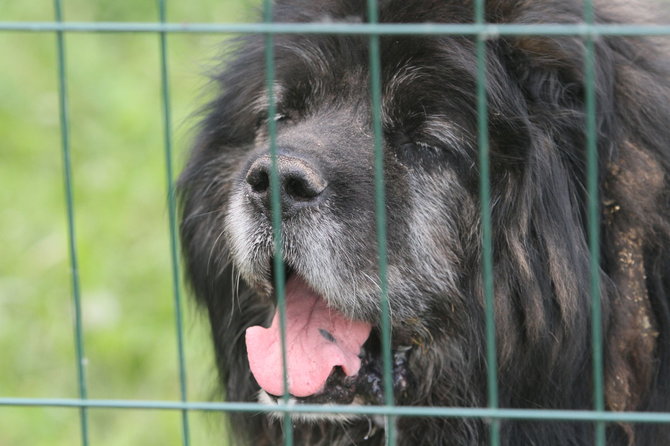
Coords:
541,261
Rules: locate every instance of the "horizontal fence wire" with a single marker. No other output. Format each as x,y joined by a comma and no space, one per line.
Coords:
589,31
409,411
488,30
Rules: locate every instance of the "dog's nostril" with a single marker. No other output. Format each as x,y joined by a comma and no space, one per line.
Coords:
300,188
258,179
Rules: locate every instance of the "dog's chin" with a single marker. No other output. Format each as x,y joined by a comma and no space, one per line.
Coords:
271,400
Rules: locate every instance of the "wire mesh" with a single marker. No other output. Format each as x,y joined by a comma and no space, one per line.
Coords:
72,238
380,217
588,30
172,222
280,285
485,213
593,222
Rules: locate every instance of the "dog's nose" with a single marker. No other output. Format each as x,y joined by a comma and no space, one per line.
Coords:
300,181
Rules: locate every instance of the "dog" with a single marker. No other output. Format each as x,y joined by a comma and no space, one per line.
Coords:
539,211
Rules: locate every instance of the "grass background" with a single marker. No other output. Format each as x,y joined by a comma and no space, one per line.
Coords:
121,222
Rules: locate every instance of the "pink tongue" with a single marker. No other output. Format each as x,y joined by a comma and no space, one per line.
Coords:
318,338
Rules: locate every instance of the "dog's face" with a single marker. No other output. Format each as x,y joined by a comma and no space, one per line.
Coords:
325,161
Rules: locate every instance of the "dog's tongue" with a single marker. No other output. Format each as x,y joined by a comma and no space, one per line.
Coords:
318,338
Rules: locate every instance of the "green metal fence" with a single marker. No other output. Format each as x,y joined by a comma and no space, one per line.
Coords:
481,31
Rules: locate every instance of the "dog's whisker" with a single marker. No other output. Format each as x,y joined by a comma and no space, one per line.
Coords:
212,250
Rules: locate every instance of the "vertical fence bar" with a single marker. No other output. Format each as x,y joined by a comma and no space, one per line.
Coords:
172,221
485,210
380,216
276,213
593,221
72,238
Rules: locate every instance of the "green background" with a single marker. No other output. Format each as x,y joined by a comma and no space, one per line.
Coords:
121,218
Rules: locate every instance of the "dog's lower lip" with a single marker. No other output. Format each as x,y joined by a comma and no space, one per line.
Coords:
339,389
367,385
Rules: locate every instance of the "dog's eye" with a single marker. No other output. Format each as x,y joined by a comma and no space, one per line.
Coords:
410,146
426,147
404,142
263,119
416,152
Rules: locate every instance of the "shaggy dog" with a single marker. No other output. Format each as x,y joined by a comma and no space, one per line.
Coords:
536,90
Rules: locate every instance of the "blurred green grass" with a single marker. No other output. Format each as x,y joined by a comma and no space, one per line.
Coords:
121,222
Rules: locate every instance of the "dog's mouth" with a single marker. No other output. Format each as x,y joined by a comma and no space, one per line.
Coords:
330,358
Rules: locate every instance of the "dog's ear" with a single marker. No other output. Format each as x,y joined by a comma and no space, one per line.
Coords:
630,80
632,97
632,101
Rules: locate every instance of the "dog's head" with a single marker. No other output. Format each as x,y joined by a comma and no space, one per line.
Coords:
325,168
326,172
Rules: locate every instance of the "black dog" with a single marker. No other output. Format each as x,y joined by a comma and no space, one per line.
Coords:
536,89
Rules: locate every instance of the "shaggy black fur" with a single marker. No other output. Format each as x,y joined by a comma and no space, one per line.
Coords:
536,114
